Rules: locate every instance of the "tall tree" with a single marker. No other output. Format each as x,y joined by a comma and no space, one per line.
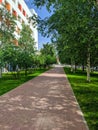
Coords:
27,44
7,28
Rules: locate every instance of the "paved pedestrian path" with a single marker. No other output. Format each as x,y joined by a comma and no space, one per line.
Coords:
46,102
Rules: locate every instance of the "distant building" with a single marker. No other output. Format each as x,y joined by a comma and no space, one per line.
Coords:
22,13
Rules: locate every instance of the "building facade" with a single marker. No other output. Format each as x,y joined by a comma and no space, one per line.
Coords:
22,13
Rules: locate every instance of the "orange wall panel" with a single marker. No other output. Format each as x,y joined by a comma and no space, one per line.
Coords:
8,6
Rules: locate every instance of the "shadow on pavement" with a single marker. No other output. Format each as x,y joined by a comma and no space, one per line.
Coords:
44,103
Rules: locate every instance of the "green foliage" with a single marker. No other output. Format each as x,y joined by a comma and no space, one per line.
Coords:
86,94
1,58
10,55
48,49
73,26
27,46
49,54
26,40
40,3
39,60
7,26
50,60
15,56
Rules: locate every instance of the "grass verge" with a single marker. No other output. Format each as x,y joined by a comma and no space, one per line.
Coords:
86,94
8,82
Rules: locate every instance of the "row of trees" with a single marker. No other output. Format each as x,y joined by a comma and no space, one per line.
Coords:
25,55
73,26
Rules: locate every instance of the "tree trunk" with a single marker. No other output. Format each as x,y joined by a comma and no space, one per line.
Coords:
75,67
88,64
72,65
26,71
82,67
0,73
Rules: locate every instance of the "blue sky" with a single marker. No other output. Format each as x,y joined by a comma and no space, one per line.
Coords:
42,13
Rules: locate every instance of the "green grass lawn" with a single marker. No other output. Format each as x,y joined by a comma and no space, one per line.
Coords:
86,94
8,82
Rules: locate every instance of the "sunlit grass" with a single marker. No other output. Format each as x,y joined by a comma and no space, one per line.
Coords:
8,82
86,94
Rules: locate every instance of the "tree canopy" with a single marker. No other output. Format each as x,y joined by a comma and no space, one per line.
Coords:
73,26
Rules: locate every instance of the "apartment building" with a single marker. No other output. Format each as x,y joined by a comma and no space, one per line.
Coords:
22,13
